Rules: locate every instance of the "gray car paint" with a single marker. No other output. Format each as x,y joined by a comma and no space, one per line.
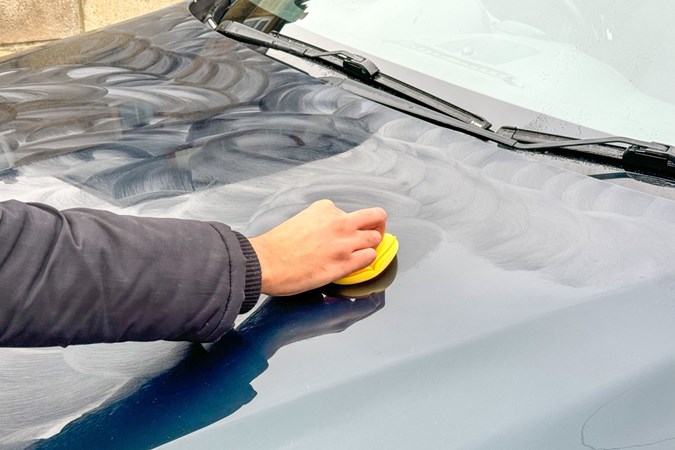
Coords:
532,307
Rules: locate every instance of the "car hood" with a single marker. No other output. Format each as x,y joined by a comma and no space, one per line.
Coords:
532,308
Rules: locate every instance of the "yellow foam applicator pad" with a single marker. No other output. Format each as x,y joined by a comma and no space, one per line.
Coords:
386,251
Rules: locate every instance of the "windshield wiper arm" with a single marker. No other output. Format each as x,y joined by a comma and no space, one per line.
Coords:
350,64
355,65
631,155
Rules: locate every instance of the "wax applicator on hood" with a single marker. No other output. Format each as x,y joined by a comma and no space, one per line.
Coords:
386,251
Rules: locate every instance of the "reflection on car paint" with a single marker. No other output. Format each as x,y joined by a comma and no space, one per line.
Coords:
160,122
162,117
210,385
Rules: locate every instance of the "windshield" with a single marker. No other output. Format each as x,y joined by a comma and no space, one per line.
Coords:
604,65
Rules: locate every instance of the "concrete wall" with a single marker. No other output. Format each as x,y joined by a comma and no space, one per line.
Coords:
25,23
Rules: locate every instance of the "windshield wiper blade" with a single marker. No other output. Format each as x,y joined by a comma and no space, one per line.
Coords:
411,108
352,65
631,155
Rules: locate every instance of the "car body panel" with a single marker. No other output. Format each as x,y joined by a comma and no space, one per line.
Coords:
533,306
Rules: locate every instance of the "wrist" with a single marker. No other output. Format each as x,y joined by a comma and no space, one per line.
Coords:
260,249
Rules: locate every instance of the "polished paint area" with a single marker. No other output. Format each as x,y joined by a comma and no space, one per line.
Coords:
527,297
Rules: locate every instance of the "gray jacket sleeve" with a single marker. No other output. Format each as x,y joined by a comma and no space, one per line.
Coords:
83,276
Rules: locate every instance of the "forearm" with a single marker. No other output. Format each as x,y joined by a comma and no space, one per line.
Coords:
82,276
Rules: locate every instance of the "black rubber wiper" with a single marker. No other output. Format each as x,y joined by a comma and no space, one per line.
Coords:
352,65
631,155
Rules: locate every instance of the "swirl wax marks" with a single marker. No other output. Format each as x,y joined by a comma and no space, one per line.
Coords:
138,108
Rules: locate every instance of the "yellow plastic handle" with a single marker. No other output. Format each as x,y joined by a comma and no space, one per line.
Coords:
386,251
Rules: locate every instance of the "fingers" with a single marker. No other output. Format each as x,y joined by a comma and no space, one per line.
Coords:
360,259
367,239
368,219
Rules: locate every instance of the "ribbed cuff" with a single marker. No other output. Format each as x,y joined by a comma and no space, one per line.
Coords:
253,275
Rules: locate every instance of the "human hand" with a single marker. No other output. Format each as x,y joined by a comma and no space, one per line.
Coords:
317,246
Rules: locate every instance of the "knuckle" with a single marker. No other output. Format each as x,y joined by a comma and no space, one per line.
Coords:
337,250
344,252
324,203
342,222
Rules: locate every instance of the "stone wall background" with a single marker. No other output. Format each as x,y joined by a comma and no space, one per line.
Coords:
25,23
